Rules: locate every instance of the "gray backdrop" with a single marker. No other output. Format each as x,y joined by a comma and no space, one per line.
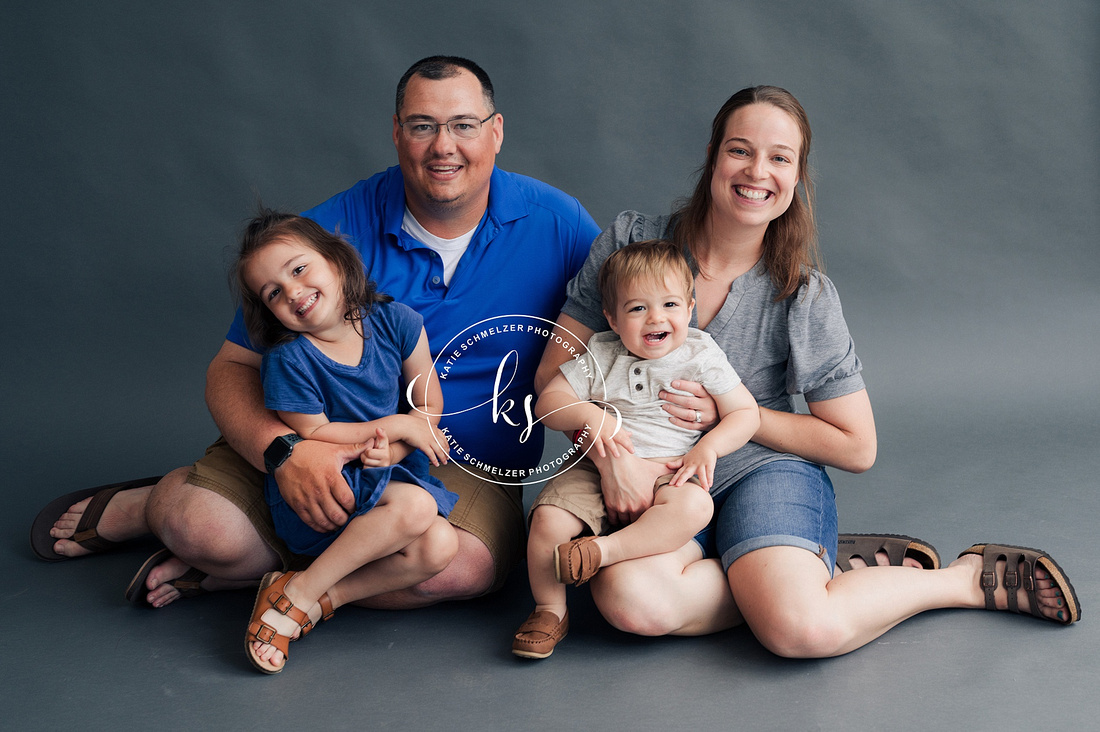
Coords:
955,146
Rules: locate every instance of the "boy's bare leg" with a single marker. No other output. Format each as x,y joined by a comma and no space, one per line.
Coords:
677,514
550,526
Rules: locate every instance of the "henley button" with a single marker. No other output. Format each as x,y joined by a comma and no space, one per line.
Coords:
637,371
637,387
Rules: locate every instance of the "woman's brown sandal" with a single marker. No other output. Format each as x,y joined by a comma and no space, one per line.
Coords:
1019,571
896,547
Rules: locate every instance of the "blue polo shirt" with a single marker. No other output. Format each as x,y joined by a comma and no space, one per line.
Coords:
487,329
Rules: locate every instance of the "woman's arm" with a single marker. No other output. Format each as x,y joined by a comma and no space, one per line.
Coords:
838,432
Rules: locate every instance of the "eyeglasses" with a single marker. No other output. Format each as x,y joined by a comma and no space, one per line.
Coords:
465,128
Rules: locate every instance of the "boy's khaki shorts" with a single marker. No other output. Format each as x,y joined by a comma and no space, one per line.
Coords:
577,489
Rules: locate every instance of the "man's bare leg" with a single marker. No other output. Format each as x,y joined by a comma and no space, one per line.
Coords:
206,531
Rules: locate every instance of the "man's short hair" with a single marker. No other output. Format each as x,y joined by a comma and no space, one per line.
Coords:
445,67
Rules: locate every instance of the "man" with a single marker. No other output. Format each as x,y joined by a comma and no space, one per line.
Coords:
461,242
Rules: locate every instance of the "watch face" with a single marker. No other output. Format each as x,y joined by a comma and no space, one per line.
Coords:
278,451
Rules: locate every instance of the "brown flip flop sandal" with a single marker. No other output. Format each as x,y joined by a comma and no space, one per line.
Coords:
188,584
85,534
896,546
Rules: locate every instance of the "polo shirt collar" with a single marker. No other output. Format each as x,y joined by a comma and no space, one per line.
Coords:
506,202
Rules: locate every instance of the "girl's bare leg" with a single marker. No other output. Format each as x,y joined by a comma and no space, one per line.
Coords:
427,555
404,513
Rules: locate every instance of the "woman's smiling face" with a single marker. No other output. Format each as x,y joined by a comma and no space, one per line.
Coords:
756,168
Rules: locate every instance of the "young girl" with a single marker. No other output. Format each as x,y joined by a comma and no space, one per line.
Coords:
338,353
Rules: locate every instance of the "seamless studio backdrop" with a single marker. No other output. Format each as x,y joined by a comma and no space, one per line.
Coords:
956,158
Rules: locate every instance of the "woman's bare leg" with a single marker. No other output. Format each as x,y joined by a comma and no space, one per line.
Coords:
796,610
678,593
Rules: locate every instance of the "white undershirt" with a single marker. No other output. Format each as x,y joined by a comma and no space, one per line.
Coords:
449,250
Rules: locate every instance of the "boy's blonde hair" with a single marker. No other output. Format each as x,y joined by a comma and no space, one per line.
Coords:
650,260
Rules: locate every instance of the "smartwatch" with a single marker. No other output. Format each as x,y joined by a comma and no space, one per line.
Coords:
279,450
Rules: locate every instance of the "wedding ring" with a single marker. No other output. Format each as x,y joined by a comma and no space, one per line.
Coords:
698,416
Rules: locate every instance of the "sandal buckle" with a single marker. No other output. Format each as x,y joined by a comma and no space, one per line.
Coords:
265,634
989,580
1012,579
281,604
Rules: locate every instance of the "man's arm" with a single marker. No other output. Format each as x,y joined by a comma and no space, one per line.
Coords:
235,399
310,479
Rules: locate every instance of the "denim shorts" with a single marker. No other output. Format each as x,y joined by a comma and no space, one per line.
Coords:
781,503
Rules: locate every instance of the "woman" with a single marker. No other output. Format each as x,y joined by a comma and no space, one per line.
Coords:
750,235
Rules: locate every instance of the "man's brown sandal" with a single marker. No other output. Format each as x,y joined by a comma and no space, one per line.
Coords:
539,634
896,546
1019,571
577,561
86,533
189,584
271,596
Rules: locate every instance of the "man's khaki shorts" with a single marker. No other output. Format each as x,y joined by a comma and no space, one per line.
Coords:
491,512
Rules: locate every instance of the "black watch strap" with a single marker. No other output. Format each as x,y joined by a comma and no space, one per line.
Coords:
279,450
